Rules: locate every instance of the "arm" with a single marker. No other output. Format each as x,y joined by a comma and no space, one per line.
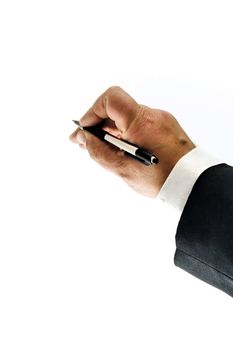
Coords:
204,237
201,229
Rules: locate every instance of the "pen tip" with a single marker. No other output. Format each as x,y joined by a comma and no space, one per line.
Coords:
76,122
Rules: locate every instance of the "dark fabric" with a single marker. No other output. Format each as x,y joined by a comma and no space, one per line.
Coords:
204,237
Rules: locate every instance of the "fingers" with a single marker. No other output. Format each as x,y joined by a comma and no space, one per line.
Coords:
115,104
78,137
103,153
118,110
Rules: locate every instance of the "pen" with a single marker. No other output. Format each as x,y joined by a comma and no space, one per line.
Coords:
129,148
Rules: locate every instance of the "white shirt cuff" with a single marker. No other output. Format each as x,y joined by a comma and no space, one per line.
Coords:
178,186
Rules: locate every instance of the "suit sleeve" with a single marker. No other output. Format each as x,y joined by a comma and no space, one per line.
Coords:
204,237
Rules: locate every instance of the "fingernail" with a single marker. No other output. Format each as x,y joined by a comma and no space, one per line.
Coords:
81,138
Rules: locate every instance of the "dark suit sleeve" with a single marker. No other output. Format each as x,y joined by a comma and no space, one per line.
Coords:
204,237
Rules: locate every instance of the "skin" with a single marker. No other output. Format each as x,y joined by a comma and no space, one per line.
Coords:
155,130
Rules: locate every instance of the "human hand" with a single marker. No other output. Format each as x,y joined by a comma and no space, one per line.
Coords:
154,130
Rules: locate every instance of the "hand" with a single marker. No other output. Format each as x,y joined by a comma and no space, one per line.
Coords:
157,131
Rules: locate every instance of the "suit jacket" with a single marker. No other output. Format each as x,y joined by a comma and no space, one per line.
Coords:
204,237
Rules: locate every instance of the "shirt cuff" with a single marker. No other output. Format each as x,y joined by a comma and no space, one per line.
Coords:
178,186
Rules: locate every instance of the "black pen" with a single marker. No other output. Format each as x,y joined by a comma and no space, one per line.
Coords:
129,148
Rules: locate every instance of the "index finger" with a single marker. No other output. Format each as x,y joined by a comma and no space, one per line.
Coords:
115,104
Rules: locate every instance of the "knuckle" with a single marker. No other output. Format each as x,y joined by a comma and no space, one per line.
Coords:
123,174
148,120
141,121
113,89
120,167
94,153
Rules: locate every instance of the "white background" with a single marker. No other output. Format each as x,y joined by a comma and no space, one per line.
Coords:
85,263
